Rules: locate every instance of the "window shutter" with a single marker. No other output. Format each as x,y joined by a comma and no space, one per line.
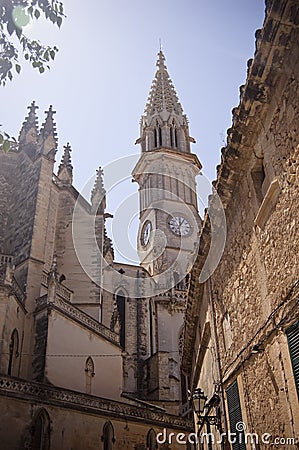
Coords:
293,341
235,416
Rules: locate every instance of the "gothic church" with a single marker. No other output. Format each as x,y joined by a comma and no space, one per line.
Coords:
90,348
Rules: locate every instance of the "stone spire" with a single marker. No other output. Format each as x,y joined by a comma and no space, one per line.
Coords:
65,170
164,125
98,193
29,132
48,136
162,97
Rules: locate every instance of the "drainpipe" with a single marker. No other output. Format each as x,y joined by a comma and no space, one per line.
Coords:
224,443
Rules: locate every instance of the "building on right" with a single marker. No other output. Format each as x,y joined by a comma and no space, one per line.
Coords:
241,338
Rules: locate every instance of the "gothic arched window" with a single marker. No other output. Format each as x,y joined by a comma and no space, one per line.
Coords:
121,307
41,431
89,373
108,436
171,136
175,137
13,354
151,440
160,136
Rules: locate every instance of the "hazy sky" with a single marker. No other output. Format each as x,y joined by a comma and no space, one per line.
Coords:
100,79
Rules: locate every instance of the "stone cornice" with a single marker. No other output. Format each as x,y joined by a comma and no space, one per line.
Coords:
61,303
170,153
263,75
63,398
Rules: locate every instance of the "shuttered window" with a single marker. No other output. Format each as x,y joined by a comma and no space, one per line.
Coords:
293,341
235,416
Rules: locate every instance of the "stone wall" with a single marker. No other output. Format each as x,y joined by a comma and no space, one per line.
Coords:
254,290
77,421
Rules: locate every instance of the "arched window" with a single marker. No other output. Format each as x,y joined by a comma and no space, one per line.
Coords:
160,136
89,373
171,136
108,436
121,307
151,440
41,431
156,138
13,354
175,137
179,283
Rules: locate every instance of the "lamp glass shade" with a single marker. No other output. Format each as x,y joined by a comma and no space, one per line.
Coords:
199,401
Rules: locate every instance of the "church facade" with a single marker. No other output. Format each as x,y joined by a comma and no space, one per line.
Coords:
90,349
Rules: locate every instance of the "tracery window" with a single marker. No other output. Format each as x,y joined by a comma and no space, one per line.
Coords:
41,431
13,354
121,307
89,373
151,440
108,436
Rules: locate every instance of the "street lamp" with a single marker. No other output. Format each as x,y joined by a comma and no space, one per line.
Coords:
199,401
202,408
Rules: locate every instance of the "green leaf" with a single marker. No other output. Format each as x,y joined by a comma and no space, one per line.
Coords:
37,13
1,138
59,21
26,56
52,54
18,68
6,146
10,75
41,69
18,32
10,27
30,10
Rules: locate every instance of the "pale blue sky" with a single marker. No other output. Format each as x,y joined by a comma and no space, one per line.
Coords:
101,77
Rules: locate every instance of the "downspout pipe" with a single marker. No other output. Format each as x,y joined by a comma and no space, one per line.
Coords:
224,445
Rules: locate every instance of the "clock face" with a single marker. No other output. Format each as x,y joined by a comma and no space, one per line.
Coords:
146,231
179,226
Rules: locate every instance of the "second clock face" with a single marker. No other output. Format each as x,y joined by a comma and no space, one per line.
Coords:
146,231
179,226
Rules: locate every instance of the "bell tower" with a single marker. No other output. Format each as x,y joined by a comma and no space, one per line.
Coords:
168,230
166,173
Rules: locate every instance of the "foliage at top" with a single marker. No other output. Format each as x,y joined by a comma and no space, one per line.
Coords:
14,16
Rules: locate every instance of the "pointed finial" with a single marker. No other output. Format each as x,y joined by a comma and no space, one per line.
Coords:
160,44
29,123
54,263
98,193
66,157
48,135
32,108
53,272
65,169
49,122
161,61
